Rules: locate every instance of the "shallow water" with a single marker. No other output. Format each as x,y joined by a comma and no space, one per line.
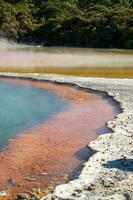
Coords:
50,152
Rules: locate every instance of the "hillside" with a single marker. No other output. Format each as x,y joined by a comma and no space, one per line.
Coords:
78,23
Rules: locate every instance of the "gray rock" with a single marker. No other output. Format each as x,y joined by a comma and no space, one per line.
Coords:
23,196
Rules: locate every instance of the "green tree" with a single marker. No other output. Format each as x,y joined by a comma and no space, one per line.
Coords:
125,3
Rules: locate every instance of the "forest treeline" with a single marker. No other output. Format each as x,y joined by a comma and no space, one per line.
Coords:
78,23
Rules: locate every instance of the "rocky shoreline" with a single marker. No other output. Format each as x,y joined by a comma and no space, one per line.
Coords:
108,173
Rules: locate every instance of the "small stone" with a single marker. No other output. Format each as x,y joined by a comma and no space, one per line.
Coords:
108,183
44,173
34,196
3,193
38,191
128,195
11,181
23,196
30,178
91,187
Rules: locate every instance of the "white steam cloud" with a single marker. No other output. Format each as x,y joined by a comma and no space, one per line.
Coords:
6,44
16,55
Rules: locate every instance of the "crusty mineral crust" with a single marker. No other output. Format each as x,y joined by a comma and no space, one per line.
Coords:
108,174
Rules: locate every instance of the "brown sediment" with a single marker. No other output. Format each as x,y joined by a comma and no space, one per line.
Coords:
108,72
43,155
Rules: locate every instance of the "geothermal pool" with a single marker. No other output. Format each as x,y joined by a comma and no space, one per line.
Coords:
44,130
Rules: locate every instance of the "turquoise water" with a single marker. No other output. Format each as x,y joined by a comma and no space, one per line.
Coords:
21,107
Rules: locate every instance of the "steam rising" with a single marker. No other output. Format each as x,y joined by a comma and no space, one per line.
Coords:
6,44
16,55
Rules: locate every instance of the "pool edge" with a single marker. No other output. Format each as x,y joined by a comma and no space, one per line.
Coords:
95,180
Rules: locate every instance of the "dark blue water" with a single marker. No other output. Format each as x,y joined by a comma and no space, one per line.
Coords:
21,107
